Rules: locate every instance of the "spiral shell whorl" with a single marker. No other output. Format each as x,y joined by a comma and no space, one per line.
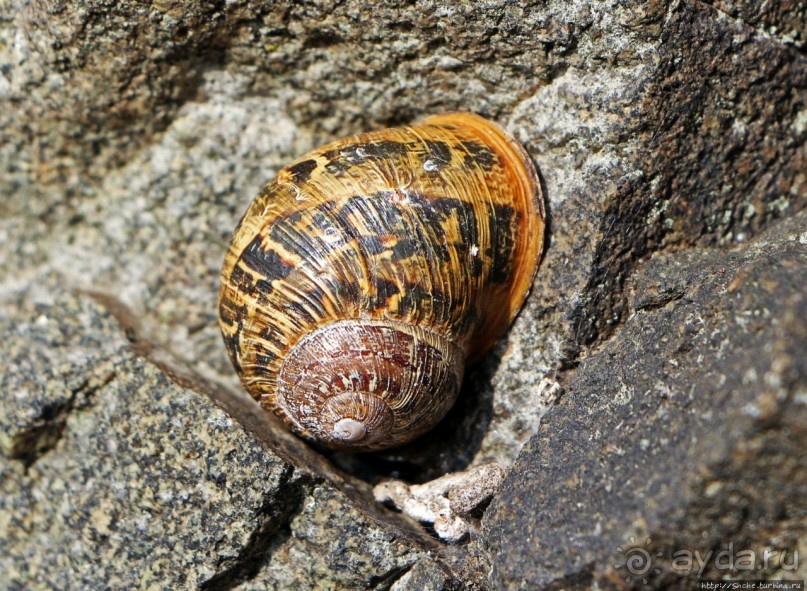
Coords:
355,418
351,384
372,268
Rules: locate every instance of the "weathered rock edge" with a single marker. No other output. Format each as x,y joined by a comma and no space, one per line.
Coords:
684,432
167,479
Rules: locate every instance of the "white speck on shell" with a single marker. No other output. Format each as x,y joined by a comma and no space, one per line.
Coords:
349,430
430,165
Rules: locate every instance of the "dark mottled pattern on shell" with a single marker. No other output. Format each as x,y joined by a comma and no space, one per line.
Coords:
301,171
437,226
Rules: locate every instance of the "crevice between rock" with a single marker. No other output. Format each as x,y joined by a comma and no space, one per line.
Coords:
272,531
306,467
34,443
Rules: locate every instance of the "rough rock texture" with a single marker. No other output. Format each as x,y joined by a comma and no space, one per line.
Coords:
687,429
132,136
116,473
450,503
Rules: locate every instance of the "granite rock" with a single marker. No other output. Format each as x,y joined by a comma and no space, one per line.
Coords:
116,472
425,575
133,136
684,433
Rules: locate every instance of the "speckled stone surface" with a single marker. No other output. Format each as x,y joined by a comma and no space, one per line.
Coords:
140,473
133,136
426,576
363,555
114,475
683,433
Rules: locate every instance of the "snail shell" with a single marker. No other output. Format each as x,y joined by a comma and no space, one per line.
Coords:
364,276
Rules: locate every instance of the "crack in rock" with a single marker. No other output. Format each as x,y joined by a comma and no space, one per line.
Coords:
272,530
45,431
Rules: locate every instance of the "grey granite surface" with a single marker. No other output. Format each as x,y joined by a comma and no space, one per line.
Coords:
670,139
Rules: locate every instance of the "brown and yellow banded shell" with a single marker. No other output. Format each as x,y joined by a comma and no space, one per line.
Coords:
363,276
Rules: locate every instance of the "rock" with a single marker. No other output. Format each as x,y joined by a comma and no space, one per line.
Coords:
425,575
117,473
684,433
447,503
132,487
315,556
132,138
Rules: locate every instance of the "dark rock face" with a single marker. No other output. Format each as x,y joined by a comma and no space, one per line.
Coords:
655,377
686,429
